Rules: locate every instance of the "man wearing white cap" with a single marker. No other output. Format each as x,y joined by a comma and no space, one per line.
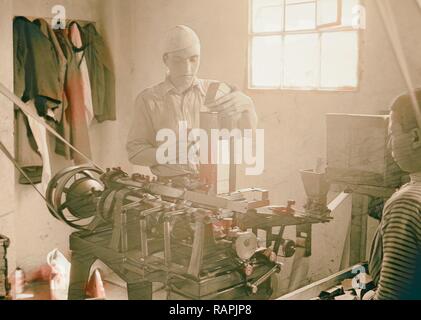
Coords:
179,99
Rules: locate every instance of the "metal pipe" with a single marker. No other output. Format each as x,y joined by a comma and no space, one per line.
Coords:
124,235
167,242
143,238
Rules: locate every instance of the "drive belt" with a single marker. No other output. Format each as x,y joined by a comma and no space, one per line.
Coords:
30,113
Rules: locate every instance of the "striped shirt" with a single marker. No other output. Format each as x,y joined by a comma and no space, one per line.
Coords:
395,253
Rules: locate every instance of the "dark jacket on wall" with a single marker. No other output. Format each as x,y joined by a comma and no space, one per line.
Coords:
37,67
62,124
36,70
100,73
47,72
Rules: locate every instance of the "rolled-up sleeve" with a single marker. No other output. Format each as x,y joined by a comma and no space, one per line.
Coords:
141,143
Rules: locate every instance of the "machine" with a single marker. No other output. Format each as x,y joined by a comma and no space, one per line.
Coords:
199,245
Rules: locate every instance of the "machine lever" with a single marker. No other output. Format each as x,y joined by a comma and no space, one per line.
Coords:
255,285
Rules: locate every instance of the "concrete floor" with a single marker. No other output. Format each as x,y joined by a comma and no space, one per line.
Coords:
40,291
116,289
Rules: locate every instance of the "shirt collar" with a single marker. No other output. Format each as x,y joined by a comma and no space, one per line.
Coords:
416,177
168,87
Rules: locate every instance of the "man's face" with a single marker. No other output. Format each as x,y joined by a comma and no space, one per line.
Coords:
183,67
405,145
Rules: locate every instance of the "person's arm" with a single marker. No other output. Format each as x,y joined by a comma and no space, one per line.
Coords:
400,250
140,146
237,106
249,118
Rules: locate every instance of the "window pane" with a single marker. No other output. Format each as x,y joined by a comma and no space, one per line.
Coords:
300,16
327,12
347,11
266,61
301,60
268,15
339,59
298,1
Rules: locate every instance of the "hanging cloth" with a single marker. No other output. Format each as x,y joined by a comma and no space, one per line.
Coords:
76,111
40,135
35,79
26,150
101,74
36,67
79,50
62,124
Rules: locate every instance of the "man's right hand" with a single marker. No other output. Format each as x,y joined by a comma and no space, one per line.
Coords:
182,154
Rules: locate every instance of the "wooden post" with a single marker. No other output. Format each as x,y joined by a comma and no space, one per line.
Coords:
358,242
79,274
141,290
233,167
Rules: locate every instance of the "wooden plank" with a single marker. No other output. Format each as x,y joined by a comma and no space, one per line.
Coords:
215,201
233,167
372,191
79,275
313,290
358,237
139,290
300,267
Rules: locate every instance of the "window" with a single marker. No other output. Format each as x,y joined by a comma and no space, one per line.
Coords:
303,45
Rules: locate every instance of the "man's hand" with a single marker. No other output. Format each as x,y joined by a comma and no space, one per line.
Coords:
181,154
233,105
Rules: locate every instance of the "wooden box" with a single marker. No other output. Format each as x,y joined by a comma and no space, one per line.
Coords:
358,153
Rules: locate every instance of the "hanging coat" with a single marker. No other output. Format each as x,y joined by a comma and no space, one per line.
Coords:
61,124
101,74
76,40
36,67
74,92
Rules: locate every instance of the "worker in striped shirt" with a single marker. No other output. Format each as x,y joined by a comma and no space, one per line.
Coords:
395,259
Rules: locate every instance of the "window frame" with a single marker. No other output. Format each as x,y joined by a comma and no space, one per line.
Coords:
325,28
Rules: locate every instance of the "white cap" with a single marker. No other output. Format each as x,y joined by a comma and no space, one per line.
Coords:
180,38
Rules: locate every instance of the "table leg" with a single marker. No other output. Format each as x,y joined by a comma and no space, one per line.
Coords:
79,275
140,290
359,218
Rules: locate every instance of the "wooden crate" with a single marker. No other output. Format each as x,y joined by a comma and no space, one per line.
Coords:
358,153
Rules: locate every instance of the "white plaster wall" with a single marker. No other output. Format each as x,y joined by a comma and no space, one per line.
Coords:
36,232
7,178
117,29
